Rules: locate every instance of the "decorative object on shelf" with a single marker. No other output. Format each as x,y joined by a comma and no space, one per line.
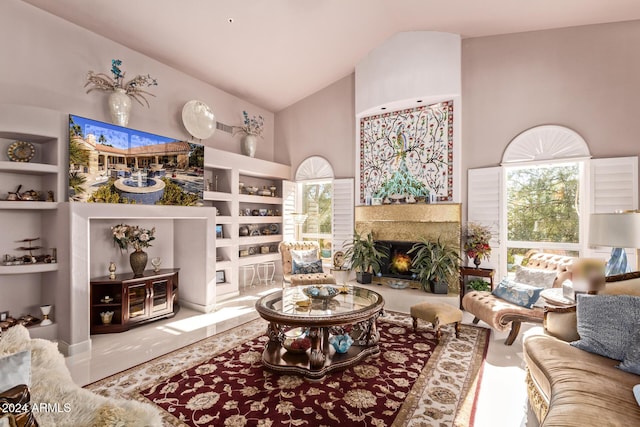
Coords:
273,189
262,212
198,119
251,190
4,315
29,258
252,250
138,261
243,231
476,244
46,311
251,129
106,317
112,270
121,91
219,232
341,343
156,262
106,300
265,191
132,235
21,151
243,253
296,340
220,276
264,249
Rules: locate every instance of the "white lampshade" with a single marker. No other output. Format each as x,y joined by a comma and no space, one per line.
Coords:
618,230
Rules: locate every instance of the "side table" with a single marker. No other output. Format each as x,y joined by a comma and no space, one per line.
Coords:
474,272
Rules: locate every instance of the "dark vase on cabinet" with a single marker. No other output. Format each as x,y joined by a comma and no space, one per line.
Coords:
132,300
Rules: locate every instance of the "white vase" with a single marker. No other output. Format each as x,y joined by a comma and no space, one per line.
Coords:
119,107
248,145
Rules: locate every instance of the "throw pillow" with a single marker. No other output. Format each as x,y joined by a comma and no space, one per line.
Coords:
606,323
631,362
535,277
304,255
307,267
15,369
517,293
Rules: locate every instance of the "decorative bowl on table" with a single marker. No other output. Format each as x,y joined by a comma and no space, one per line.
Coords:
296,341
341,343
399,284
323,292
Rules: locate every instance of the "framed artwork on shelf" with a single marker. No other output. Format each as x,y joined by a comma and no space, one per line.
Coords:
220,277
4,315
219,233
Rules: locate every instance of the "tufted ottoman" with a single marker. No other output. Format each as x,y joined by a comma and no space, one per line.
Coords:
437,314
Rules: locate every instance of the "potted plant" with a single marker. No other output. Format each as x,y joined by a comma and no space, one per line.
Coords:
434,263
476,244
479,285
364,256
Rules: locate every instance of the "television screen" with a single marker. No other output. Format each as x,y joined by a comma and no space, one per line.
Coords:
113,164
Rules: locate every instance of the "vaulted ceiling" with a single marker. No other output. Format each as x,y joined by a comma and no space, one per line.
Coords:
276,52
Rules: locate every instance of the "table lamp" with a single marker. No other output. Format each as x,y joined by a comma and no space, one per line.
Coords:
618,230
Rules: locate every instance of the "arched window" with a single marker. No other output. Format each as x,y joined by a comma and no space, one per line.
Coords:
542,194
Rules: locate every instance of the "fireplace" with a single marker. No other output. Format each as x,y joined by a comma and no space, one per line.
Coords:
398,264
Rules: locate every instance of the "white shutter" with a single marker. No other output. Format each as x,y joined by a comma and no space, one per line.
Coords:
484,198
288,208
614,186
343,213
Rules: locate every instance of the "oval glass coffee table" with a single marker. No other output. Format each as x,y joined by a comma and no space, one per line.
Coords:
356,310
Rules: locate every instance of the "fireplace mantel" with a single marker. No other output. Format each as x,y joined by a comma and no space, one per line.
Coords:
411,222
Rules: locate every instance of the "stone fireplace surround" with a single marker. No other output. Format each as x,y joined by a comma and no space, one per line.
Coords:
411,222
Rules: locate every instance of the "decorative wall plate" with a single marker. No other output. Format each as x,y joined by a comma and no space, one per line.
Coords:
198,119
21,151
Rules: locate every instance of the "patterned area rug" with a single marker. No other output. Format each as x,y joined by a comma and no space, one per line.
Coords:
220,381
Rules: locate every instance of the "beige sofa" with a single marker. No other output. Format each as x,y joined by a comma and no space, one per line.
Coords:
571,387
502,315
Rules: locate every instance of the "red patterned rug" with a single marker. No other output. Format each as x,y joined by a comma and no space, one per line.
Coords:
411,382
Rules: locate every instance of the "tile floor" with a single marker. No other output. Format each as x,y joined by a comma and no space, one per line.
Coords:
502,400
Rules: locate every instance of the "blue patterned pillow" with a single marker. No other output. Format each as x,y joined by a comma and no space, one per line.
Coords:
307,267
517,293
607,323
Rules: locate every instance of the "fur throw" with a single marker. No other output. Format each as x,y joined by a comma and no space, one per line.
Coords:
69,405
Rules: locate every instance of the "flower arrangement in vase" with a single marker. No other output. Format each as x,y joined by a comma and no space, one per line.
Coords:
476,244
121,91
132,235
251,129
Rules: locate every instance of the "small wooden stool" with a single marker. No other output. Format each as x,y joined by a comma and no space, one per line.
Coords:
437,314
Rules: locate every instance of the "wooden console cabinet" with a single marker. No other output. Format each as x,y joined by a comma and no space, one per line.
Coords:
133,301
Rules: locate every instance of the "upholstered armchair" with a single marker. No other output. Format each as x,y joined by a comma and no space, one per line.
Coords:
306,257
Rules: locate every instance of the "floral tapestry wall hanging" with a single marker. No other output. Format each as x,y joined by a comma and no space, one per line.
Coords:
408,153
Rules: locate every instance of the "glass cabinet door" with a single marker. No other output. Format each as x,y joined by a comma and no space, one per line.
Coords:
160,300
136,300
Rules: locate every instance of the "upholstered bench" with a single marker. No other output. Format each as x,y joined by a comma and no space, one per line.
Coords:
437,314
503,315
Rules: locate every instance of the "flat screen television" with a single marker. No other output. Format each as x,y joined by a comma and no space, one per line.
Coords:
114,164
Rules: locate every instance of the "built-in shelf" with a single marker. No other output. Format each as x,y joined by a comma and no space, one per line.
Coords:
224,243
256,240
221,265
260,219
28,268
223,219
28,168
257,259
267,200
26,205
216,195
